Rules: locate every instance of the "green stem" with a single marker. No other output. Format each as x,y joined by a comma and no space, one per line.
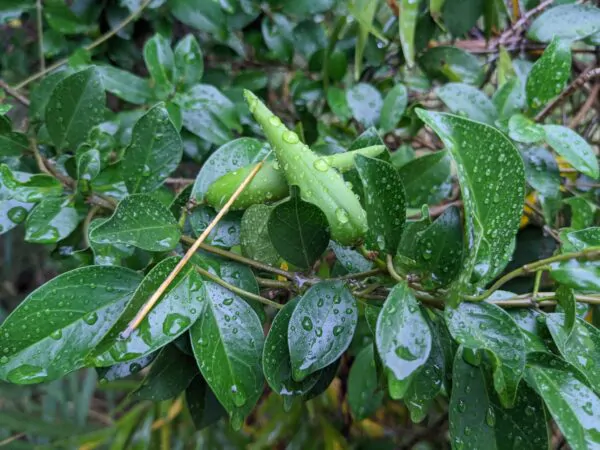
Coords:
333,39
237,290
359,275
391,270
378,262
589,253
89,47
266,282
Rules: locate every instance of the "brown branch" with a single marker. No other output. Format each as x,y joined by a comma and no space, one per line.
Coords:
14,93
592,97
520,23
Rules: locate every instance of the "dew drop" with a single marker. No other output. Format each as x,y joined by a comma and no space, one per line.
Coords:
307,323
290,137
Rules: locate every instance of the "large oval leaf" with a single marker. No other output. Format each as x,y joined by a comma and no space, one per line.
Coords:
57,325
364,392
393,108
568,22
465,100
177,309
228,342
321,327
488,327
52,220
570,145
493,189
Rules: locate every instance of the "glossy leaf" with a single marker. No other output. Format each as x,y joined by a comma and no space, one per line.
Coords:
509,98
228,342
12,213
525,130
41,92
254,235
141,221
465,100
225,234
364,393
492,184
425,179
541,171
177,309
124,370
392,110
13,144
580,346
402,336
365,103
485,423
155,151
488,327
50,221
409,11
566,299
159,60
188,62
24,187
452,64
125,85
364,12
570,145
89,165
74,108
321,327
109,254
204,407
569,22
350,259
549,74
579,275
78,308
171,373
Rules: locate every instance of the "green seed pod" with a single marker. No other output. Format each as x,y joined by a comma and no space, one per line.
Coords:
269,184
319,183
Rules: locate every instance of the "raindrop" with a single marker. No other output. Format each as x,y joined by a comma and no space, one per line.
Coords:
337,330
290,137
307,323
321,165
56,335
90,318
341,215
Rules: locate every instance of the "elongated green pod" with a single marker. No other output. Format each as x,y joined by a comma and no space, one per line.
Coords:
319,183
270,184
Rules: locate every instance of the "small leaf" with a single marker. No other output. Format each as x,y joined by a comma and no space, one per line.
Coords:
204,407
485,423
364,393
393,108
525,130
321,327
50,221
125,85
409,11
89,165
27,188
124,370
570,145
225,234
452,64
159,60
13,144
68,326
488,327
365,103
492,184
403,336
566,299
570,22
364,12
155,151
541,171
425,179
171,373
74,108
228,342
336,99
549,74
177,309
141,221
350,259
465,100
254,235
298,231
580,346
509,98
189,62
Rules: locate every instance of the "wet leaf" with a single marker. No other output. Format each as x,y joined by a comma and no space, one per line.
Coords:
452,64
522,129
89,165
321,327
25,187
52,331
159,60
392,110
225,234
50,221
189,62
74,108
492,185
365,104
579,275
12,213
569,22
488,327
509,98
124,370
155,151
465,100
228,342
364,12
254,235
570,145
409,11
204,407
566,299
350,259
141,221
364,392
177,309
13,144
541,171
425,179
385,202
125,85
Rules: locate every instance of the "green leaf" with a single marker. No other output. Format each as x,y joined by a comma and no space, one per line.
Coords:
254,235
452,64
465,100
125,85
570,145
61,18
52,220
364,393
276,360
485,423
205,16
336,99
171,373
155,151
225,234
492,184
277,32
124,370
41,93
12,213
582,212
393,108
509,98
27,188
74,311
574,241
228,341
459,16
522,129
177,309
160,63
350,259
141,221
488,327
541,171
189,62
566,299
569,22
298,231
425,179
204,407
573,406
74,108
580,345
402,335
110,254
409,11
549,74
321,327
384,202
365,103
579,275
364,12
13,144
89,165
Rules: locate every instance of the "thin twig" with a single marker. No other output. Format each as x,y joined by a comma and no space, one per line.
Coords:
11,439
520,23
593,96
13,93
40,34
165,284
